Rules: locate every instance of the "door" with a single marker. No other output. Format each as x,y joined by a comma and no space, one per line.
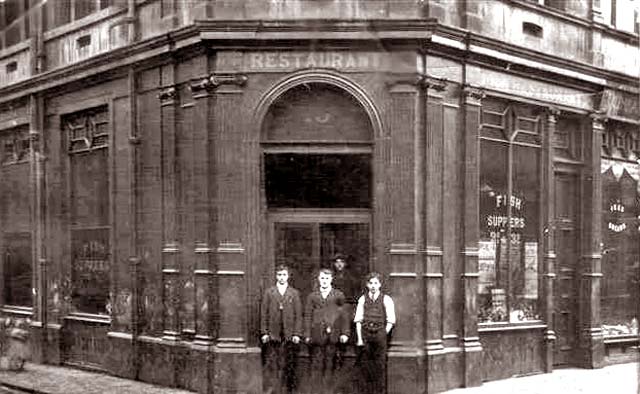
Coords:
567,260
307,241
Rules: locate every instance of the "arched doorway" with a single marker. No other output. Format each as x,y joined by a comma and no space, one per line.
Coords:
317,147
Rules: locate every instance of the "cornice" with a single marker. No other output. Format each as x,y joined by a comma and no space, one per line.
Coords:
462,40
420,33
576,20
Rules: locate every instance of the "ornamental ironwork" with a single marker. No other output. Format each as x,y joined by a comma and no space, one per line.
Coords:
87,130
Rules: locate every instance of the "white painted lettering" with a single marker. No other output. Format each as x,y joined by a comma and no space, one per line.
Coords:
271,60
256,61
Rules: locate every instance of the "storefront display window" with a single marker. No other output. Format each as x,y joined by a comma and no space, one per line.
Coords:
510,185
621,250
87,134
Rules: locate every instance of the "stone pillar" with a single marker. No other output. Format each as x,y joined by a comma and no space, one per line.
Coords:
38,220
433,271
204,267
590,338
406,370
472,349
170,248
548,270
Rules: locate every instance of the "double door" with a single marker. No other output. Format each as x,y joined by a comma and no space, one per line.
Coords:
308,240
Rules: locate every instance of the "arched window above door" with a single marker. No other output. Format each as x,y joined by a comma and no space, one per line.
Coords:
316,112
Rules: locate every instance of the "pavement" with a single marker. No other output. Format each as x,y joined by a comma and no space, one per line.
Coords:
49,379
614,379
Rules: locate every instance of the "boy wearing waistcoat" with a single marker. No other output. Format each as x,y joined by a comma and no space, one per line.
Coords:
375,317
281,330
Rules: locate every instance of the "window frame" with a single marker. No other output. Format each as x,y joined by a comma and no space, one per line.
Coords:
509,126
104,142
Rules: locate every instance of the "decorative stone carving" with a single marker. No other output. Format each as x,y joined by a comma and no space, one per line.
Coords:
168,95
473,94
437,84
206,84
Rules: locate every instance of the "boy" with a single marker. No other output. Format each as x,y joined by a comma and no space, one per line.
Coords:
375,317
325,327
280,329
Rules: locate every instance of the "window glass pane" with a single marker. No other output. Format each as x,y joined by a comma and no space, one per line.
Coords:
350,242
525,228
492,262
84,8
90,188
316,112
621,256
91,268
318,181
294,248
509,248
17,269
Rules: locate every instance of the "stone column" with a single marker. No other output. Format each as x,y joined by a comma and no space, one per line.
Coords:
204,211
590,338
549,262
170,248
472,349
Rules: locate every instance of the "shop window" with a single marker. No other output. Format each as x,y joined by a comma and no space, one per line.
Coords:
621,254
318,180
88,146
17,269
510,185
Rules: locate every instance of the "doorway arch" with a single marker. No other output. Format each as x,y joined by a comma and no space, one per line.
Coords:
317,134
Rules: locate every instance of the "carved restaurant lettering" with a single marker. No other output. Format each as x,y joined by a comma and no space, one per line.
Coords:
295,60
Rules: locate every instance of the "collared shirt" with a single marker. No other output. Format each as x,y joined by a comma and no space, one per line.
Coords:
281,288
325,293
389,308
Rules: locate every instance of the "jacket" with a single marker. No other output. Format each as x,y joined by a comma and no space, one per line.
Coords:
326,318
291,313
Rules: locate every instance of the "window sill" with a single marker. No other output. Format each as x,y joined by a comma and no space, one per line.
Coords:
88,317
623,338
506,326
26,311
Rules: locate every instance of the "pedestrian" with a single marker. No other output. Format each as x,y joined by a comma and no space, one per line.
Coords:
375,317
343,278
326,326
280,333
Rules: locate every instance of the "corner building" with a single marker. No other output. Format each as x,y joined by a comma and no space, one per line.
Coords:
159,158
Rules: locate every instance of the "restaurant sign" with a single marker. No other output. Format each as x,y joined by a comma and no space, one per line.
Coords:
277,61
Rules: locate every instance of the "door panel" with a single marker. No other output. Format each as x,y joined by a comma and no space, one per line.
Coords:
307,242
567,254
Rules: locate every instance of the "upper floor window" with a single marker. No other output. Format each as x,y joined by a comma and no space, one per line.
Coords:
621,14
14,21
61,12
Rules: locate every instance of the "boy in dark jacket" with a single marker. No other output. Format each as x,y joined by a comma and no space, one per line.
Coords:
280,332
326,326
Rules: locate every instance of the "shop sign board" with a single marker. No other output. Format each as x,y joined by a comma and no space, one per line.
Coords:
342,60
